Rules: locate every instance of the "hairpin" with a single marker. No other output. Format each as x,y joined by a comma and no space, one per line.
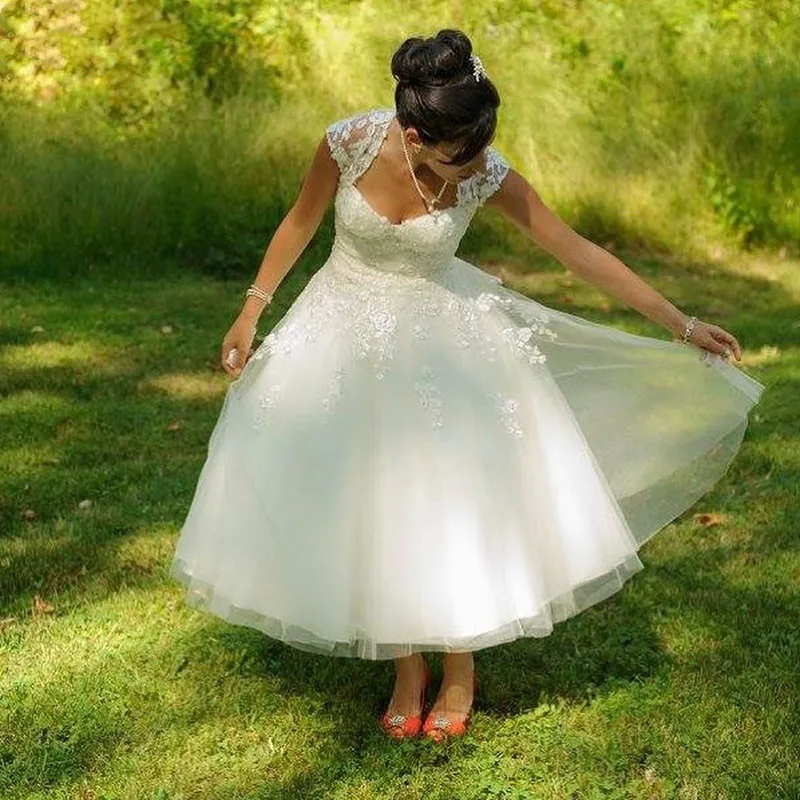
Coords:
477,67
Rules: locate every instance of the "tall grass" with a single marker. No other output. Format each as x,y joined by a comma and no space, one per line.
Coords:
670,126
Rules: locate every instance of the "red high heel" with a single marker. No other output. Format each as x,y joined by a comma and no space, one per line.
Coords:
401,726
439,725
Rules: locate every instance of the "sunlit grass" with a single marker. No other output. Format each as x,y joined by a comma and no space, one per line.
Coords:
679,686
126,252
187,386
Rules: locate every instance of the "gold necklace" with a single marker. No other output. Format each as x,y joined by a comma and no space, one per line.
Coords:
429,204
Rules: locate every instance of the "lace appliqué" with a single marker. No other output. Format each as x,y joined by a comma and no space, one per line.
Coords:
368,319
483,184
506,408
334,392
266,402
354,140
519,337
430,397
386,281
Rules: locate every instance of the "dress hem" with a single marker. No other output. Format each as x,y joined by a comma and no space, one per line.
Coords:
204,597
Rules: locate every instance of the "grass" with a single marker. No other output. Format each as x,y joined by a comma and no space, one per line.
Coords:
683,685
148,152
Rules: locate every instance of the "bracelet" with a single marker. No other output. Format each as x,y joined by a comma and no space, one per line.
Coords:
688,329
255,291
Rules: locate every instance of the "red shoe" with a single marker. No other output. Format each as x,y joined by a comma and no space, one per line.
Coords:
439,725
401,726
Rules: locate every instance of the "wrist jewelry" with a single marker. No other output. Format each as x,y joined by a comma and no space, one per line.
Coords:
688,329
256,291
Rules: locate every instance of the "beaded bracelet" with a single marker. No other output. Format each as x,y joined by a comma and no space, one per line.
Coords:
256,291
688,329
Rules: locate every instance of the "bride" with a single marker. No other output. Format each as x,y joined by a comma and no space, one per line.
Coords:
417,458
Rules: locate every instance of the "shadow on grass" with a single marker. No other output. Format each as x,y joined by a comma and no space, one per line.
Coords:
112,445
219,670
111,441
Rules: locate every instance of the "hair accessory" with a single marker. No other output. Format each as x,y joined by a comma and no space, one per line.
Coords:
477,67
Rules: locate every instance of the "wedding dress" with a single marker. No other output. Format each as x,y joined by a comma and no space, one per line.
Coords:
417,457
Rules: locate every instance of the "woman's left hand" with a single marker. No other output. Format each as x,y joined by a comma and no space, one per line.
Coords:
716,339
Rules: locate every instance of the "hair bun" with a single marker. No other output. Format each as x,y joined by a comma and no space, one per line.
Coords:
433,60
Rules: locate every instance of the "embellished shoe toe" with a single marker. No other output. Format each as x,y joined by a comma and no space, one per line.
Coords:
402,726
439,725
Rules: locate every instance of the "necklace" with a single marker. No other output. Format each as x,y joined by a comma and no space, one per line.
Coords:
429,204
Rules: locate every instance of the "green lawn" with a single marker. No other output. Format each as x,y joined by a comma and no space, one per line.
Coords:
682,685
148,149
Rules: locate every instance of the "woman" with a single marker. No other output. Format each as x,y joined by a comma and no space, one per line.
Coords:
417,458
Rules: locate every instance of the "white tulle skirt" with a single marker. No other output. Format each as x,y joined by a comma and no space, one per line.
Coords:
411,464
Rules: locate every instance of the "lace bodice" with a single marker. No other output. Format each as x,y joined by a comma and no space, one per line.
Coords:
421,245
390,288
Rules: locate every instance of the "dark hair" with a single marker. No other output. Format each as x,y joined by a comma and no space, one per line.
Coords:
437,93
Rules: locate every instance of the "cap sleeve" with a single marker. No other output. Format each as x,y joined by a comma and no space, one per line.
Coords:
351,140
340,136
485,183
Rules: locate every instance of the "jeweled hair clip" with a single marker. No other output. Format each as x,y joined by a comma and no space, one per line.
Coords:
477,67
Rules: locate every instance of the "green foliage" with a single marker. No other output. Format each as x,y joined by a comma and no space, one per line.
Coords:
135,60
220,38
734,203
149,149
186,125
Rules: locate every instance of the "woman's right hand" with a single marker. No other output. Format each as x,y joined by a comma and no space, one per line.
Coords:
240,336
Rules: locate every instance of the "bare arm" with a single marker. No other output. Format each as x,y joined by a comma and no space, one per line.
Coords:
297,228
519,202
291,237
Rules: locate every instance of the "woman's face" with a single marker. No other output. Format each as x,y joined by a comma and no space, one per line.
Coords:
436,157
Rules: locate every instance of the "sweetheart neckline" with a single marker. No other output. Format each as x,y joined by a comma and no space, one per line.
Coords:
387,221
385,123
